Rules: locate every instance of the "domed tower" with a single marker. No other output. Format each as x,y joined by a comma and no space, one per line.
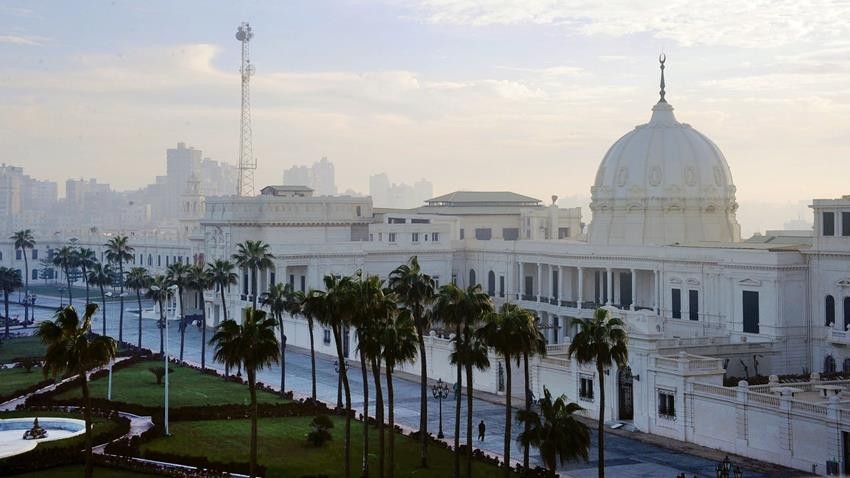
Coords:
193,206
662,183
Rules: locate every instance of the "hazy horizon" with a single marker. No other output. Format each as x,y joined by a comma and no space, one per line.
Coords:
468,94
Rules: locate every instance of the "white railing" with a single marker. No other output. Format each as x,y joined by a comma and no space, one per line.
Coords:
715,390
692,341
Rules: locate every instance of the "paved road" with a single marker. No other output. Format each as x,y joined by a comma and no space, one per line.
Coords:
625,457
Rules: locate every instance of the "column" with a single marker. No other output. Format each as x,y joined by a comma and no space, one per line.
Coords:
560,284
634,288
580,287
520,281
610,289
656,294
539,280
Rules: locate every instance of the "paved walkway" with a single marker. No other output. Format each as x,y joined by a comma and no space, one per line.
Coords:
626,455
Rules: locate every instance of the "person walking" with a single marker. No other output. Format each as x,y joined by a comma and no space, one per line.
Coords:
481,429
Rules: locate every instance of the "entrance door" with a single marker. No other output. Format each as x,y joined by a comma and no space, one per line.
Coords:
625,395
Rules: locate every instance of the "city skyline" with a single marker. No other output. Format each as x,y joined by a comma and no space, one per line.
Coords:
435,98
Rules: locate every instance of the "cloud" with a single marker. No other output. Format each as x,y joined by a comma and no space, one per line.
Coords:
22,39
753,24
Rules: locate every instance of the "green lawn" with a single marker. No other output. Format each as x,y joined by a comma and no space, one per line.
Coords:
283,449
76,471
187,387
20,347
15,379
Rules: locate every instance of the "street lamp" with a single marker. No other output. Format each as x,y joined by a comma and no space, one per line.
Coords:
725,469
440,391
171,289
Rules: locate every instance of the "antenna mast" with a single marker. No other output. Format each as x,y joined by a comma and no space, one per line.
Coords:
247,161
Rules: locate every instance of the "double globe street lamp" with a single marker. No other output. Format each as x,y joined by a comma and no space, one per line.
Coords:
440,391
725,469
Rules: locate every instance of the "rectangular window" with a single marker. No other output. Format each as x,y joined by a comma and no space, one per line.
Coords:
501,286
35,254
159,261
292,280
585,390
461,234
436,282
666,404
244,284
750,300
326,337
414,237
420,221
34,274
828,224
18,256
845,223
303,284
396,220
380,237
454,279
563,232
676,301
272,279
510,233
483,234
693,304
391,237
435,236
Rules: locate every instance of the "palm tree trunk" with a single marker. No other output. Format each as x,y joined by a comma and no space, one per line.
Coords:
86,280
601,425
103,301
468,418
223,304
364,467
252,380
344,374
161,329
6,306
508,436
391,421
121,301
379,414
423,400
254,285
68,280
203,332
525,451
457,390
312,356
182,321
26,287
139,299
282,357
87,417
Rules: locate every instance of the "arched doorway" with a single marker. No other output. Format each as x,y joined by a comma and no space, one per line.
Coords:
625,394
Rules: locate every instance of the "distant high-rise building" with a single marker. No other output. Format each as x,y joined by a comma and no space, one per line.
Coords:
81,191
297,176
400,195
320,176
379,189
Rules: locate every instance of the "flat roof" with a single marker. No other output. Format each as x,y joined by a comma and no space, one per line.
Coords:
483,198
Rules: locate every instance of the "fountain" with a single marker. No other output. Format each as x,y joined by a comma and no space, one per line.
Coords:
36,432
18,435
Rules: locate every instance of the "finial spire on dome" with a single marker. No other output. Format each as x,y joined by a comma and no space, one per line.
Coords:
661,59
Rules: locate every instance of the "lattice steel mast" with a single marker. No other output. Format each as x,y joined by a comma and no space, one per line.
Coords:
247,161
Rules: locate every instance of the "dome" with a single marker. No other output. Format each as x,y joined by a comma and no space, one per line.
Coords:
663,182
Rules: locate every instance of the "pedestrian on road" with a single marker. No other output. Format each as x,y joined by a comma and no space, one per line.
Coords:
481,429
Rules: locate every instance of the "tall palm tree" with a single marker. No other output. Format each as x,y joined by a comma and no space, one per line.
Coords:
447,311
554,431
399,341
119,251
254,346
223,277
159,293
10,281
178,274
101,275
138,279
66,259
603,340
256,257
199,279
503,332
86,258
278,300
534,343
294,305
414,291
72,350
24,240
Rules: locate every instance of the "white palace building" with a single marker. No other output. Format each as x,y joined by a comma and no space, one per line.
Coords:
663,252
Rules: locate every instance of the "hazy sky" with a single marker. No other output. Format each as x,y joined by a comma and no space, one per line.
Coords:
474,94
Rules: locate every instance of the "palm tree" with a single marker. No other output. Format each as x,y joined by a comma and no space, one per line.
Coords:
199,279
555,431
254,256
86,258
72,350
24,240
254,346
294,305
178,274
10,281
601,339
119,251
158,292
415,292
280,299
66,259
503,332
399,340
138,279
223,277
101,275
447,311
534,343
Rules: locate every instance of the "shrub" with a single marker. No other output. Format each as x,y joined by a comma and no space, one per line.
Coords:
159,373
319,435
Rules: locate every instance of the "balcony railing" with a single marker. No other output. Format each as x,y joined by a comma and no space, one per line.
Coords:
569,303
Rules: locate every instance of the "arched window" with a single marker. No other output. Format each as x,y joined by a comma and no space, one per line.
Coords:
829,364
846,312
829,310
491,284
472,281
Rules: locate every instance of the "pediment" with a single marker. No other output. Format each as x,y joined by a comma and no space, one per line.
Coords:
843,283
692,282
750,282
675,280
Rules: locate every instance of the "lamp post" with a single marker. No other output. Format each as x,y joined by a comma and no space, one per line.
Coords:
171,289
725,469
440,391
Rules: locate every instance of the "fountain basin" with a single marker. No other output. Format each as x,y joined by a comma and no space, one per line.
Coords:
12,430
